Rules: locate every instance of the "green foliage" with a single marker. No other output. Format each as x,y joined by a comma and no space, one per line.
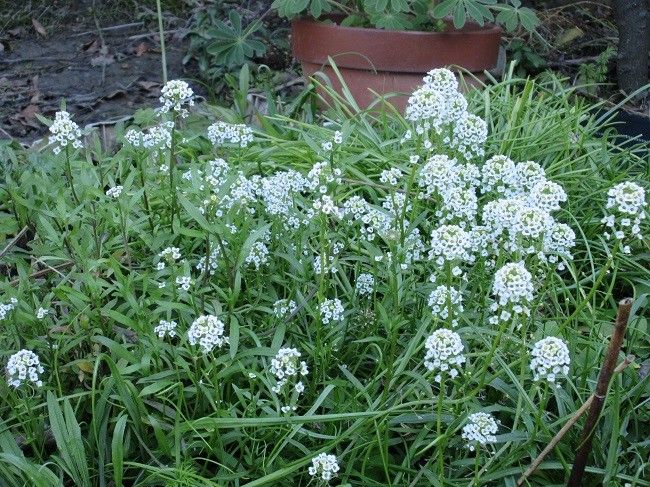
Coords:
222,40
415,14
120,406
591,74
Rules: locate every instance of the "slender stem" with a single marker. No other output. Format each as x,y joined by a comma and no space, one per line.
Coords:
161,33
172,170
144,191
68,174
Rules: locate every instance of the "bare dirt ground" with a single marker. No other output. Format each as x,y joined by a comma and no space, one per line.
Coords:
103,68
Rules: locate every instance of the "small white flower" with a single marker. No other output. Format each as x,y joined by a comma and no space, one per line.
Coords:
365,284
24,367
444,353
5,308
284,307
550,359
442,299
64,132
324,466
221,133
165,328
184,282
42,313
480,430
331,310
114,192
208,332
175,96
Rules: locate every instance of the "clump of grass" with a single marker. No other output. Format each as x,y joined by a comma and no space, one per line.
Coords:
368,301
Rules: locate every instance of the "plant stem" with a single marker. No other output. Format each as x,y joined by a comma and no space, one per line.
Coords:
161,33
68,174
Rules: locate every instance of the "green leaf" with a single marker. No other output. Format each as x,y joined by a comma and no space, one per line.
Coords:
117,450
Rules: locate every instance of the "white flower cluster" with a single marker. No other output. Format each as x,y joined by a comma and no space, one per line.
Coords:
238,134
331,310
445,299
212,264
207,331
5,308
626,205
324,466
114,192
284,307
437,102
175,96
337,139
450,243
325,205
391,176
444,353
184,283
156,139
259,253
550,359
289,370
364,284
64,132
165,328
480,430
42,313
169,255
24,367
513,287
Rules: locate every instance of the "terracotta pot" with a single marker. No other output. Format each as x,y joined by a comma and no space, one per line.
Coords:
388,61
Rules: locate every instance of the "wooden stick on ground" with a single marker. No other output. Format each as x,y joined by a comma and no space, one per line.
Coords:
579,464
560,434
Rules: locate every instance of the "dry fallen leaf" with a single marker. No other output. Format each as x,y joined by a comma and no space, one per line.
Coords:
91,46
102,60
39,27
27,116
141,49
15,32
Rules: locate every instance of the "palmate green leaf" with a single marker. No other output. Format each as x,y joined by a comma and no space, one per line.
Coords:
234,45
289,8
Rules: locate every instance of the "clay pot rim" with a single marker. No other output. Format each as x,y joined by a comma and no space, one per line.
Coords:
488,29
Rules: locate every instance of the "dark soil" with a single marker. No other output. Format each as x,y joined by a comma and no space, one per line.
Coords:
100,75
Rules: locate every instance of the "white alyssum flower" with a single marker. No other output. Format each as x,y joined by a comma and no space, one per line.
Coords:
24,367
450,243
176,95
165,328
207,331
547,195
391,176
168,255
284,307
331,310
64,132
288,370
114,192
184,283
364,284
513,287
550,359
212,263
42,313
444,353
5,308
438,176
325,205
469,136
221,133
626,209
496,174
558,243
513,284
442,298
324,466
527,174
258,255
480,430
155,139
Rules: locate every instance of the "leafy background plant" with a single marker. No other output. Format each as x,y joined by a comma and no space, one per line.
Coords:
146,408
